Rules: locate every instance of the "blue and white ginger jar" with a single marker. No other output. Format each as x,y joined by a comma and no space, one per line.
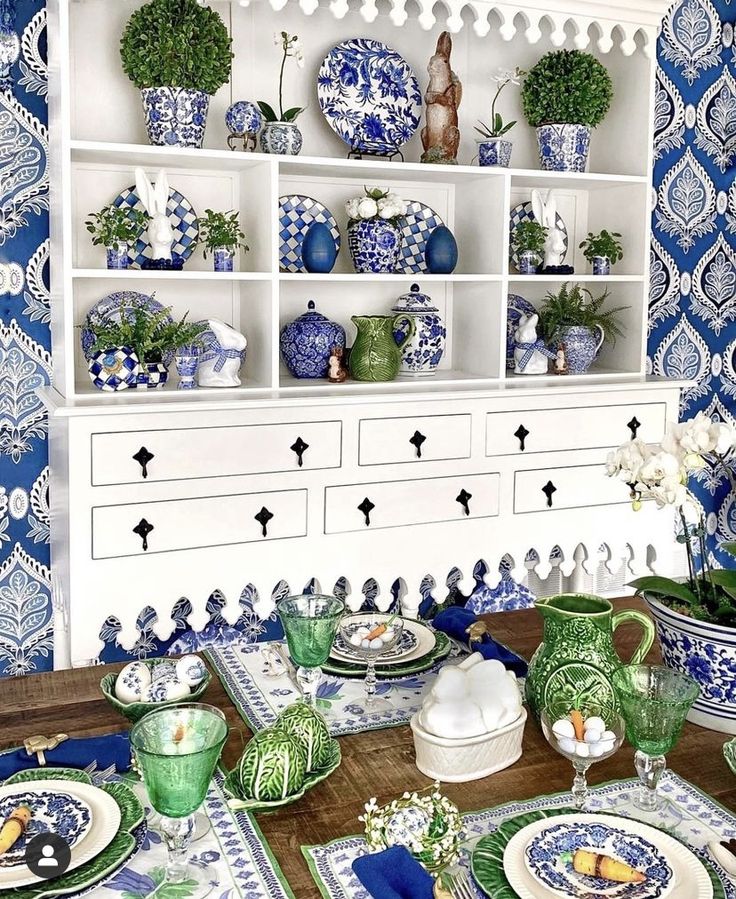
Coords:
175,116
306,343
374,245
243,117
563,148
281,139
421,354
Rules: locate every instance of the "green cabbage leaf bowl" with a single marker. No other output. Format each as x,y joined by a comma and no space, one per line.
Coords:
134,711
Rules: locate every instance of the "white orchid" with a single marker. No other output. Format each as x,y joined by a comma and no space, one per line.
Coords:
508,76
626,462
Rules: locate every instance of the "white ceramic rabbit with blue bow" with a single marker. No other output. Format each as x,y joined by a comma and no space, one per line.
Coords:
528,356
224,353
154,199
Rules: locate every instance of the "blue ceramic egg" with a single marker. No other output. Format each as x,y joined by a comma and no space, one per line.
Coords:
319,250
440,252
306,343
243,117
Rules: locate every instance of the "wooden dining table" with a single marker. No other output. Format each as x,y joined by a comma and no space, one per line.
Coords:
378,763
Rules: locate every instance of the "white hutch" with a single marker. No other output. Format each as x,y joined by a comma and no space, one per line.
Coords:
219,456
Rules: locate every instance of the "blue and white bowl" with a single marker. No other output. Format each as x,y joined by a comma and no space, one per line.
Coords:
175,116
563,148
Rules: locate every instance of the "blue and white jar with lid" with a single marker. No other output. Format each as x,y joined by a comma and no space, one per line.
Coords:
421,354
307,342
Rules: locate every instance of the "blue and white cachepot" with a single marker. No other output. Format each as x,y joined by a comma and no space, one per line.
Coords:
175,116
187,362
281,138
306,343
601,265
152,374
421,354
563,148
374,245
222,258
243,120
114,369
495,151
117,257
707,652
528,263
581,347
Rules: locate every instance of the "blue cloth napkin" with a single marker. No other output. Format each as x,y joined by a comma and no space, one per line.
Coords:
112,749
455,622
393,874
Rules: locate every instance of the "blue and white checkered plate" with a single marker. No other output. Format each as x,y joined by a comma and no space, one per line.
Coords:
297,213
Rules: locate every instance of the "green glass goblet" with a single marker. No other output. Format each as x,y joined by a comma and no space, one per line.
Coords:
176,750
310,624
654,702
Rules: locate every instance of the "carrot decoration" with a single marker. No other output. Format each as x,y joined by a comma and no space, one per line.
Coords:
595,865
576,718
381,628
14,827
179,733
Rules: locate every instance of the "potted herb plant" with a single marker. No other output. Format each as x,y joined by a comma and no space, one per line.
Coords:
602,251
178,54
374,236
527,240
280,133
222,236
494,149
116,228
571,317
695,615
565,94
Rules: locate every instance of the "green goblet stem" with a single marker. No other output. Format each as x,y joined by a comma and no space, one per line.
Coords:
650,769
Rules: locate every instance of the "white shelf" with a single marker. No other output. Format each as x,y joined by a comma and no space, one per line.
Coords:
401,384
137,274
578,277
351,277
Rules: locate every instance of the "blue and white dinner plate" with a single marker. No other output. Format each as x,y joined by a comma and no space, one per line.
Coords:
416,225
369,95
522,212
183,220
296,214
111,307
516,307
51,812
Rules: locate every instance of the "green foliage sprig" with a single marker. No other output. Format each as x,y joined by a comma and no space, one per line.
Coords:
176,43
221,229
567,86
576,306
606,243
113,225
529,237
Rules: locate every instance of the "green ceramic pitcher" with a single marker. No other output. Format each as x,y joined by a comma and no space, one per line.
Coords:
576,658
376,353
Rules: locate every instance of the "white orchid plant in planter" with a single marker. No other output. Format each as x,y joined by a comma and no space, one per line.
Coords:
695,615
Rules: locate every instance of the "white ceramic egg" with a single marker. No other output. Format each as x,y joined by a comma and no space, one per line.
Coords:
355,639
165,690
592,735
594,723
376,643
132,681
563,728
190,670
566,745
365,644
597,749
582,749
163,671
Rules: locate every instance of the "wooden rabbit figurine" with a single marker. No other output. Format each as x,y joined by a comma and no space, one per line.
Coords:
545,212
441,135
160,232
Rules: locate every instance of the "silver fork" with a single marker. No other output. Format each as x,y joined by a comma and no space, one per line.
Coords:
460,886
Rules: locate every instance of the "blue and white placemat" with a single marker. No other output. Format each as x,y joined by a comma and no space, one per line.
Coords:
689,814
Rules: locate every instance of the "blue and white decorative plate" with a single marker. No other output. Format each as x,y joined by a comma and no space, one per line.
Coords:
522,212
416,225
517,306
296,214
547,861
370,96
67,816
407,643
183,220
111,307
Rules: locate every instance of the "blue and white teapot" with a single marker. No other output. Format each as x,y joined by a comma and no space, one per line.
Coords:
421,354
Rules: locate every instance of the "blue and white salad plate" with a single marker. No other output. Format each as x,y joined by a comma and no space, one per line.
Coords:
297,214
51,812
182,218
370,96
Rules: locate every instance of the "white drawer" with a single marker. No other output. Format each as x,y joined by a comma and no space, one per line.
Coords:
585,427
193,523
428,438
400,503
547,489
214,452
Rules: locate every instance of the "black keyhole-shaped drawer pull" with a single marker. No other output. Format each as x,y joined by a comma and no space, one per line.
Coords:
143,529
417,439
299,447
143,457
366,507
548,489
634,426
263,517
521,434
464,499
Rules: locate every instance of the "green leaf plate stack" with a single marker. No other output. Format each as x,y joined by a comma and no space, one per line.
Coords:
439,651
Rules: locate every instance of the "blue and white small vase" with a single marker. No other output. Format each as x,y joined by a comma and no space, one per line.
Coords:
495,151
581,346
243,120
175,116
114,369
306,343
440,252
187,362
601,265
152,374
421,354
374,245
281,138
563,148
222,258
117,257
528,263
319,250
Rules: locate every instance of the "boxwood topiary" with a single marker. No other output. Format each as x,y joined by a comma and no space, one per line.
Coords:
567,87
176,43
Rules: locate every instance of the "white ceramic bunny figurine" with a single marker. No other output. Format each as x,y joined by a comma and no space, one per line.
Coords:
530,354
219,365
545,212
160,232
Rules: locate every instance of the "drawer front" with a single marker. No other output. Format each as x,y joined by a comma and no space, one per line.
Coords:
550,430
428,438
193,523
547,489
119,458
392,504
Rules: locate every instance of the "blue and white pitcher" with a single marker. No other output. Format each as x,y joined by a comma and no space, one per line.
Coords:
581,346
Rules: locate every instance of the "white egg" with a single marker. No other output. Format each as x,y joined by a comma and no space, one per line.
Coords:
597,750
191,670
582,749
163,671
165,690
608,736
388,635
592,736
563,728
364,631
355,639
566,745
365,644
376,643
594,723
132,681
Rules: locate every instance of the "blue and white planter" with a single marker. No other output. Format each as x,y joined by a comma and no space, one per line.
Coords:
528,263
281,139
495,151
581,347
421,354
151,375
601,265
114,369
707,652
222,259
187,362
117,258
175,116
563,148
374,245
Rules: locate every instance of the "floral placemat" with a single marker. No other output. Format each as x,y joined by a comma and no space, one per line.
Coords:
689,814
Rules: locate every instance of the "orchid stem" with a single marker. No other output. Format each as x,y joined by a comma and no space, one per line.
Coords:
690,564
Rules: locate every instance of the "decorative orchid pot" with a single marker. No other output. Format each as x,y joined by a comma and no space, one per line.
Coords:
495,151
175,116
705,651
376,355
563,147
187,362
114,369
306,343
601,265
581,346
152,374
528,262
374,245
422,352
117,257
281,138
223,259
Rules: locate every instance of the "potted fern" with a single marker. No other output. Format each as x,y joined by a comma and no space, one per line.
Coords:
571,317
222,236
602,250
527,242
116,229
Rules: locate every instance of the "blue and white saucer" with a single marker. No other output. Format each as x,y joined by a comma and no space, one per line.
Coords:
67,816
183,220
297,214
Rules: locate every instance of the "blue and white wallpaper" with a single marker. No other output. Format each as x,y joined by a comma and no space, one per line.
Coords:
692,307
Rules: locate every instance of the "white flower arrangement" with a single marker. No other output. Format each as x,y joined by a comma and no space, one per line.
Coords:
376,203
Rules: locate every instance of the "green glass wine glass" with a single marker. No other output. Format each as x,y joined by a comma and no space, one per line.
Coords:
654,703
310,623
176,750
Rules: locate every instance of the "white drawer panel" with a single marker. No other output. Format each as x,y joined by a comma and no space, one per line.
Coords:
402,503
192,523
385,441
577,486
587,427
214,452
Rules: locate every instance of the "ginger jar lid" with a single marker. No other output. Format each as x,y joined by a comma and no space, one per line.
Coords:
312,316
414,301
